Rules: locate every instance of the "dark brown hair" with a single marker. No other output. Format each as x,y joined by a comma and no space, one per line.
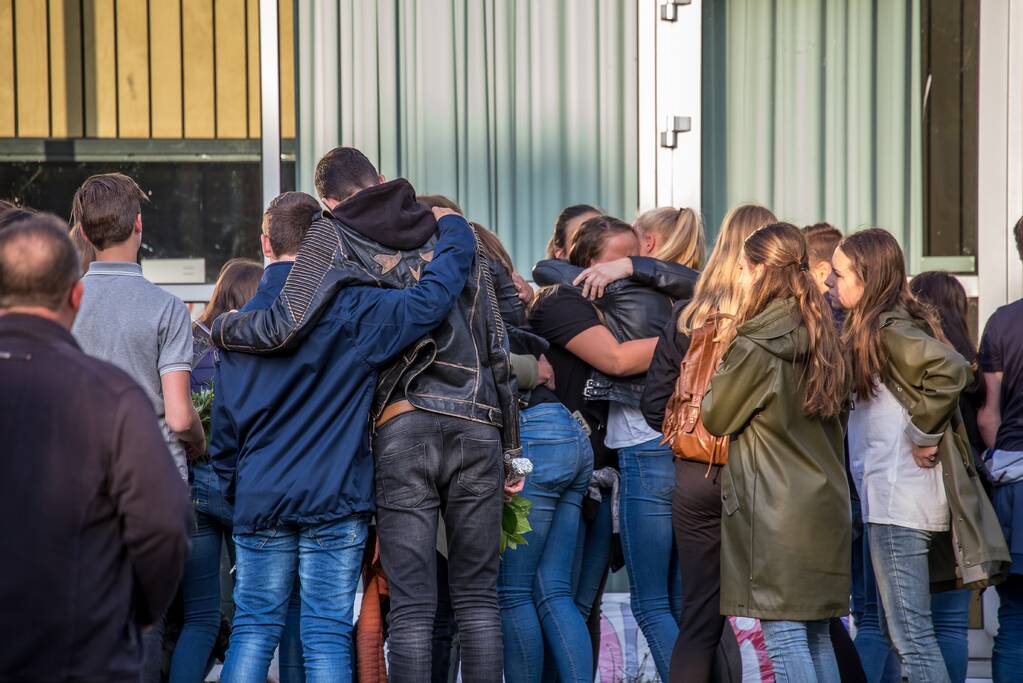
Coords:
878,262
435,201
821,241
781,249
236,284
557,241
286,220
342,172
106,206
86,252
589,242
14,215
947,298
1017,232
38,263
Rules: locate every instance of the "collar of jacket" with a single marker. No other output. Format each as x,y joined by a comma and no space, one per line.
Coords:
777,320
35,327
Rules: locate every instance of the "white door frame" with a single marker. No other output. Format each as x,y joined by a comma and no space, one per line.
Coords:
1000,154
670,72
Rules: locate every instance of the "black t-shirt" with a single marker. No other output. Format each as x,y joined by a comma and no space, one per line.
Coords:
559,315
1001,350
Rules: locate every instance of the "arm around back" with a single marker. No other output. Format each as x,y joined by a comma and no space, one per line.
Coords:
597,347
391,320
152,502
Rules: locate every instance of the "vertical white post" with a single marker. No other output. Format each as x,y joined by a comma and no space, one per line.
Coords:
269,100
1000,154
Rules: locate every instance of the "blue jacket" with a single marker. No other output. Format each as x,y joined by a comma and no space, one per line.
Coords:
290,432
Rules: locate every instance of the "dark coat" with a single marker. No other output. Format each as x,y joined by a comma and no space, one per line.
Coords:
96,516
291,431
786,532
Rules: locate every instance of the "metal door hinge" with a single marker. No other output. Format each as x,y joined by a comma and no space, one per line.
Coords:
673,125
669,9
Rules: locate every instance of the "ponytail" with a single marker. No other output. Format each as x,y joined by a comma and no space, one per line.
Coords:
781,248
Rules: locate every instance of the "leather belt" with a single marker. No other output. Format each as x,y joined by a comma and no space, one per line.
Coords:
394,410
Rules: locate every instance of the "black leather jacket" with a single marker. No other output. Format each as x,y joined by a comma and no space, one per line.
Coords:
636,308
460,369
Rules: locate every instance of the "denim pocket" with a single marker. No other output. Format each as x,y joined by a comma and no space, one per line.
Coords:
554,463
479,473
401,476
656,472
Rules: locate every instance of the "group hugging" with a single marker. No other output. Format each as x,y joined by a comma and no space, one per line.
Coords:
788,430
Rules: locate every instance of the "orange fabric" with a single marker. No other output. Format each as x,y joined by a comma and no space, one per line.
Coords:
369,637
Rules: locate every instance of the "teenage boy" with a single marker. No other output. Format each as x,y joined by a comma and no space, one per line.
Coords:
443,412
292,437
1001,426
127,320
130,322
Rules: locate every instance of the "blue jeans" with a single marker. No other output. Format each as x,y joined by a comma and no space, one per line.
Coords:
327,559
592,555
800,651
1007,658
950,611
900,557
200,585
535,581
648,543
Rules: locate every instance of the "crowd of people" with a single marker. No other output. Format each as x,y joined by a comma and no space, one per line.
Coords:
786,428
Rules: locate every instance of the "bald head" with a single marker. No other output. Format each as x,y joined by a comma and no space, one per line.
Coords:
38,264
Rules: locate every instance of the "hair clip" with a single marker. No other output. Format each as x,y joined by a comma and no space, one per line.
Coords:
804,266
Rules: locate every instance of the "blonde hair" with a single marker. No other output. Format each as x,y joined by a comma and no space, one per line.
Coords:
681,235
717,290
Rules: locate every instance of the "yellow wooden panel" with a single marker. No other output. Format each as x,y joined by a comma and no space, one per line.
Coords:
286,50
65,68
165,76
132,69
30,32
232,115
100,69
7,69
252,28
197,32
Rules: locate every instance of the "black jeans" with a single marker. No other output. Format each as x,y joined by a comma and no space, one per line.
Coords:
706,648
428,463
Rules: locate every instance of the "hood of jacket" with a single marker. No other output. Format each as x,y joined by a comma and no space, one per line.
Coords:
778,330
389,214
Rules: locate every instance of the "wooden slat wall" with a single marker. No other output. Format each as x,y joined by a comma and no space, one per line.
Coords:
8,118
138,68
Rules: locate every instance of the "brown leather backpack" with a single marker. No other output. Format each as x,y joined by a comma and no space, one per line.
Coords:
683,427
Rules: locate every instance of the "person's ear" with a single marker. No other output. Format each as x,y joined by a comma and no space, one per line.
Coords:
138,222
649,242
382,178
820,274
264,243
74,297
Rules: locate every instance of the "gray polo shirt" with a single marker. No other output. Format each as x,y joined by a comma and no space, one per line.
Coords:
127,320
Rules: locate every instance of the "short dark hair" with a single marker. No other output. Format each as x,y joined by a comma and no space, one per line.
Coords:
821,241
38,263
106,206
342,172
14,215
286,220
1017,232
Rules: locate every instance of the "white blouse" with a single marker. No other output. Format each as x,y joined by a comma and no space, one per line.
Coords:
893,488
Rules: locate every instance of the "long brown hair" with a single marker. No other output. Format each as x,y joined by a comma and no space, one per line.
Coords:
717,290
682,239
878,262
236,284
781,249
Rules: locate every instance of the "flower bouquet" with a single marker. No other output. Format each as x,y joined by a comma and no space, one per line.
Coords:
202,401
515,516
